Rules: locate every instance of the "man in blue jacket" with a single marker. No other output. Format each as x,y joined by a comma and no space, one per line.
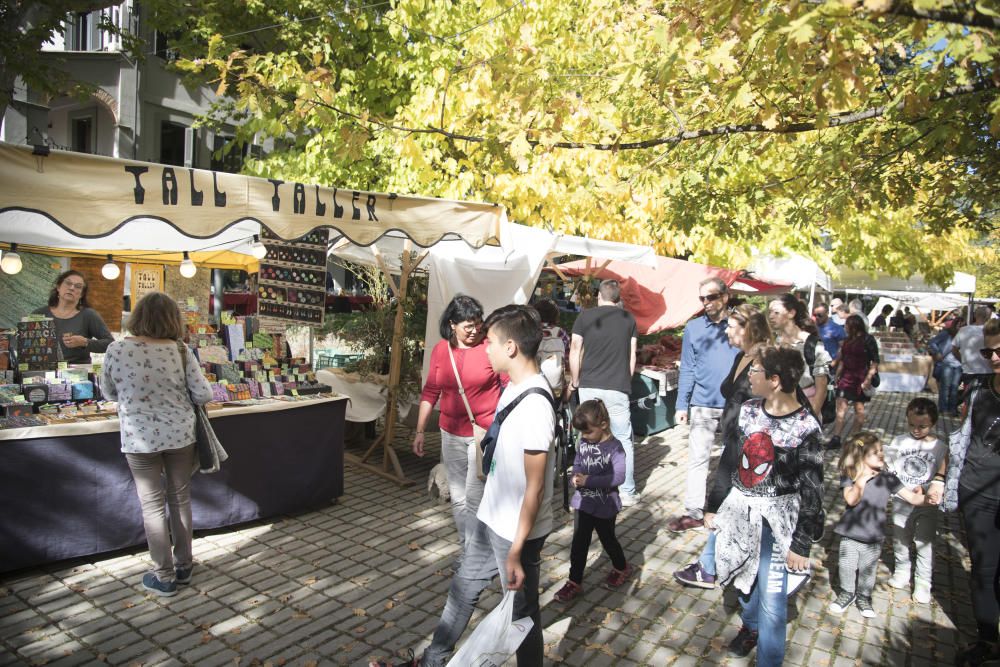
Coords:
706,358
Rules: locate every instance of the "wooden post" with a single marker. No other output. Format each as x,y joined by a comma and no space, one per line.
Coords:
391,467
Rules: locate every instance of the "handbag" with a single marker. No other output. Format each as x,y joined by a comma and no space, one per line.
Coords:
958,447
210,451
478,432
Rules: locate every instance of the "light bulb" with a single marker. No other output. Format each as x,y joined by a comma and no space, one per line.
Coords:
188,269
11,262
258,249
110,270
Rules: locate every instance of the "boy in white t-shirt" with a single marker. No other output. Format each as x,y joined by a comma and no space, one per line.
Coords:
515,515
917,459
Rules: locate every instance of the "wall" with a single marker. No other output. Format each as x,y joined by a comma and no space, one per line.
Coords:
105,296
24,292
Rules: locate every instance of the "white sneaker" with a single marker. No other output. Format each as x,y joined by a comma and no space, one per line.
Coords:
629,499
922,591
897,580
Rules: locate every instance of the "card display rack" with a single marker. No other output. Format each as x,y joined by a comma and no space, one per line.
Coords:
292,282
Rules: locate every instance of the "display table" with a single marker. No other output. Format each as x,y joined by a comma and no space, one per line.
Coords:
66,490
652,401
904,372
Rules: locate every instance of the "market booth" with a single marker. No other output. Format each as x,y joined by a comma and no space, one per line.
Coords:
651,294
63,479
905,365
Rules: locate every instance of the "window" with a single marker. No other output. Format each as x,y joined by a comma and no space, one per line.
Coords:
172,143
231,162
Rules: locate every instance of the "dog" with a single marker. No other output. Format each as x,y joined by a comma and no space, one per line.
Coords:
439,478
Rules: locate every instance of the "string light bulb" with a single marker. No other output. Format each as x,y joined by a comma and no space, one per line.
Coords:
110,270
258,249
188,269
11,262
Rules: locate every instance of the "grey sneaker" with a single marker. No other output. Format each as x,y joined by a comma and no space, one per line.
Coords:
184,574
842,603
865,607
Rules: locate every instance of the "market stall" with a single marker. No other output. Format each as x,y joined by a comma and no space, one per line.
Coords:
285,455
68,491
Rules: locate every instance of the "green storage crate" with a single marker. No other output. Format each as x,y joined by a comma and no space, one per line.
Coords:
651,413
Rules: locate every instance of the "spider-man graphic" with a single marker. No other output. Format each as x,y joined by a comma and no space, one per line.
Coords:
757,459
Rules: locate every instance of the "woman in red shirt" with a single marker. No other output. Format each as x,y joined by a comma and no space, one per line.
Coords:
464,344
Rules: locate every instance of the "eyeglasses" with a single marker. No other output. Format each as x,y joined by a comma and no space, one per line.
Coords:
755,369
820,315
708,298
75,286
469,328
988,352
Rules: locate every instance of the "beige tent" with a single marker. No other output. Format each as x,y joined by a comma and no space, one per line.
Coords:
68,203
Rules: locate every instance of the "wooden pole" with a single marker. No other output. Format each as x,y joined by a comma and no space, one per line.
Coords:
391,468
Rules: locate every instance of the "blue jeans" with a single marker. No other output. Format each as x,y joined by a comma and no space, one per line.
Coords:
766,608
707,557
948,388
485,556
621,427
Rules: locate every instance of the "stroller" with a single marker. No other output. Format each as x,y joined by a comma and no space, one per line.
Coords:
566,438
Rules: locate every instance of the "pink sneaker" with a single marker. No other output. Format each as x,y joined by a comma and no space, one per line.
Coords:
569,591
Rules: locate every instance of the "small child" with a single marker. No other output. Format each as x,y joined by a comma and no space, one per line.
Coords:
867,488
917,459
598,470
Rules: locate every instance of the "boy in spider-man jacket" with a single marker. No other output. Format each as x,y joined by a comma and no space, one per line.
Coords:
774,511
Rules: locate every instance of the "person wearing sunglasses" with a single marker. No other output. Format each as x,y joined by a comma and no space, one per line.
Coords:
831,333
79,327
706,357
978,499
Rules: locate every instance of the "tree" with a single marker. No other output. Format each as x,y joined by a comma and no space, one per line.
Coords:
861,133
24,28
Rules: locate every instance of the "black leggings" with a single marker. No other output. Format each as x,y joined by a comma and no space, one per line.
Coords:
584,526
981,519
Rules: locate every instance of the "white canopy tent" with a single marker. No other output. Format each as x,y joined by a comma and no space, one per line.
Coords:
802,272
913,291
496,276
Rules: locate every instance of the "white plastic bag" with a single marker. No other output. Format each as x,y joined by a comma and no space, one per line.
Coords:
495,639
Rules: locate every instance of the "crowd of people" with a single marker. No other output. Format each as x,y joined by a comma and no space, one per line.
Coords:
764,379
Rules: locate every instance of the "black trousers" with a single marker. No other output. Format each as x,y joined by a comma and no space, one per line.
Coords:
583,528
981,519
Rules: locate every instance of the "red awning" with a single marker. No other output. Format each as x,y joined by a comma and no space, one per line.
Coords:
664,297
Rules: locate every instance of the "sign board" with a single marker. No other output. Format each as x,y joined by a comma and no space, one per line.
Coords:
146,278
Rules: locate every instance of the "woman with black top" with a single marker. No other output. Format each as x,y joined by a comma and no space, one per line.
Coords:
979,503
80,329
747,329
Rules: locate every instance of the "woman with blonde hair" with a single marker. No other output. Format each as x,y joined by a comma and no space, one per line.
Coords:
146,374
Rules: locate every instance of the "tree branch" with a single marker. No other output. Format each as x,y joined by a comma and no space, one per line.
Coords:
969,17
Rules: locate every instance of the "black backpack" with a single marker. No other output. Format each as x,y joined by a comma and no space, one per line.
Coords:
489,441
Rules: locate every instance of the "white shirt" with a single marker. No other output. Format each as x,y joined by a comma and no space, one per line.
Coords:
529,427
969,340
915,462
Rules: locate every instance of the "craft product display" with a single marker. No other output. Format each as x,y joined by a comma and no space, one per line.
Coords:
37,343
292,280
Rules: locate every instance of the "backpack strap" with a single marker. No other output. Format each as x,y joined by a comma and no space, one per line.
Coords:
809,351
493,435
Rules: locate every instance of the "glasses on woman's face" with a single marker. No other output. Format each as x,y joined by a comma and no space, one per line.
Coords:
755,369
988,352
74,286
468,327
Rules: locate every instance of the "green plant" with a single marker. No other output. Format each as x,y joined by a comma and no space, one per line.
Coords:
369,332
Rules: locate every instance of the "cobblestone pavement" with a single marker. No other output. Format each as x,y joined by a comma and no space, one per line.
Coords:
367,577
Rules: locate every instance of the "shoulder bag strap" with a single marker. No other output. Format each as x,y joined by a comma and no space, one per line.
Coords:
461,389
181,347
